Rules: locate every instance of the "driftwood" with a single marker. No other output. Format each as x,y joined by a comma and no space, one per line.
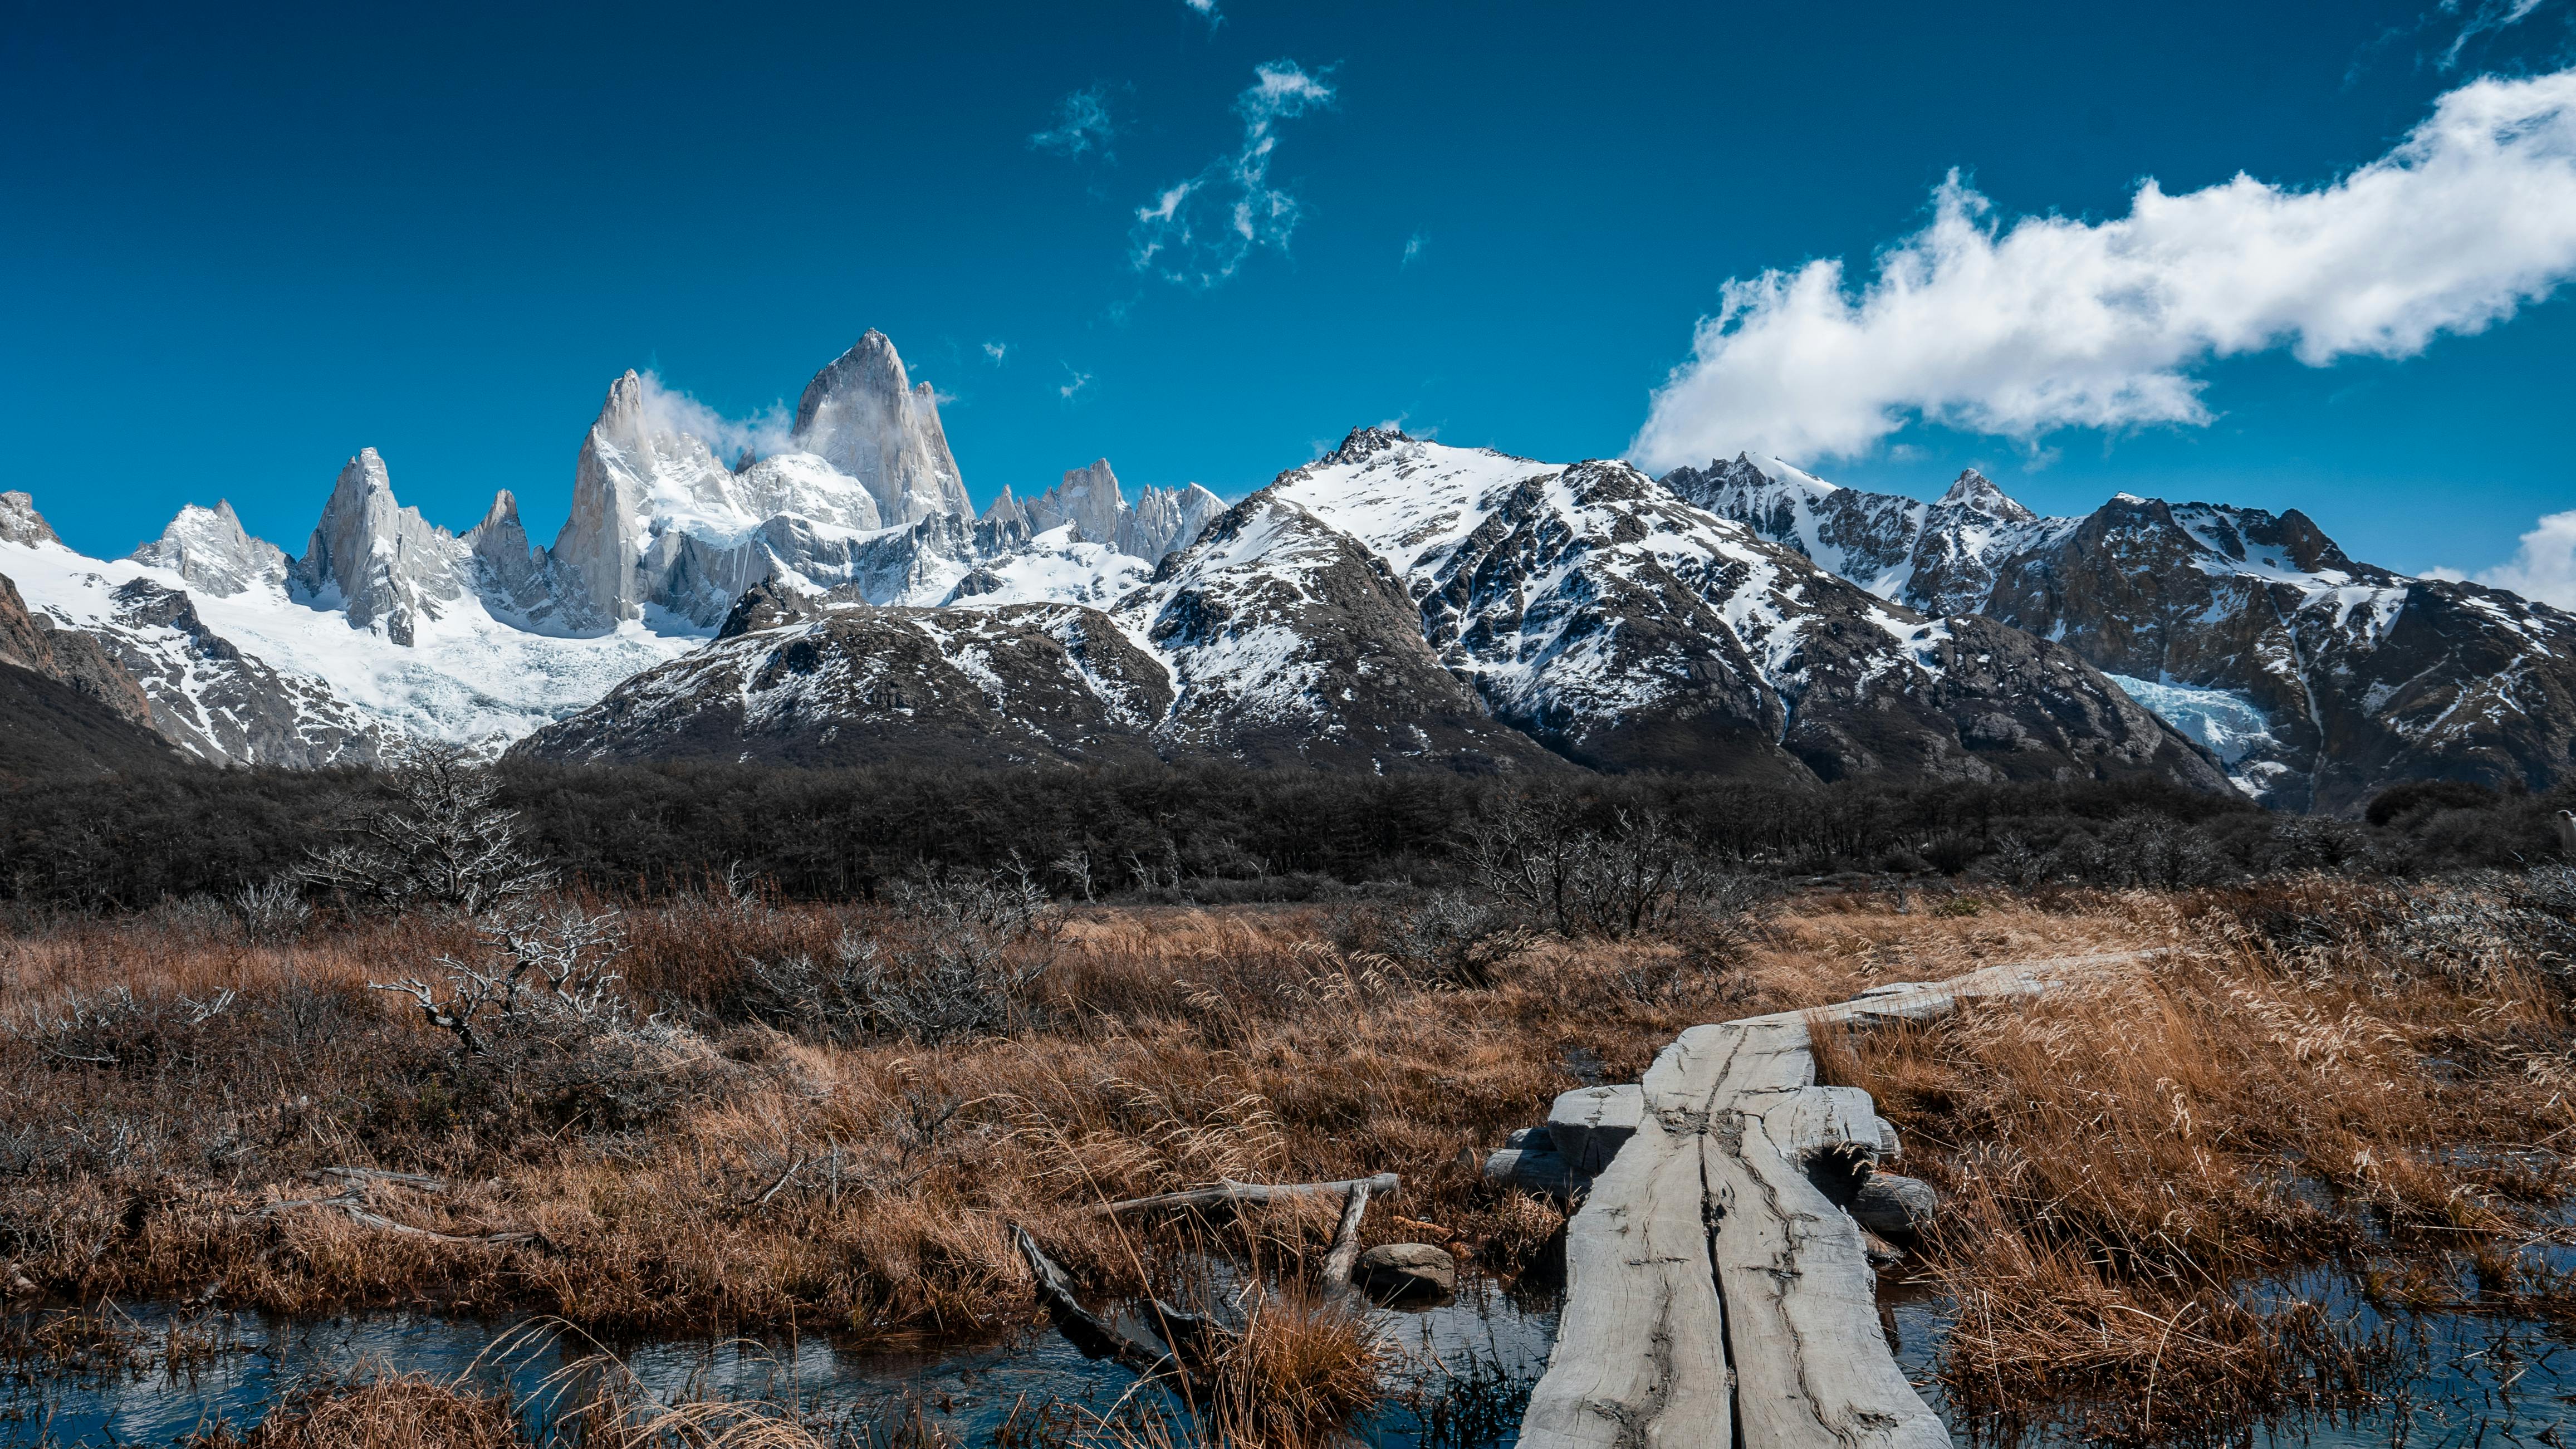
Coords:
1246,1192
1713,1287
1196,1341
1087,1331
353,1202
1339,1263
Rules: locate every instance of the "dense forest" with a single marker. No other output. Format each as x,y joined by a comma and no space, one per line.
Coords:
1217,834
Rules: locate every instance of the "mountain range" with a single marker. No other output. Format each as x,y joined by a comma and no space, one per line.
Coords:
1398,603
2317,680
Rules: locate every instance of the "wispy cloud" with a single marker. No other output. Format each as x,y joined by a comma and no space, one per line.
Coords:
2485,17
2052,323
669,410
997,351
1206,10
1197,232
1075,382
1082,125
1412,249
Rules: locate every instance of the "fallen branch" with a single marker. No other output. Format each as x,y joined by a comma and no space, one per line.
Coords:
355,1206
1346,1244
1244,1192
377,1174
1087,1331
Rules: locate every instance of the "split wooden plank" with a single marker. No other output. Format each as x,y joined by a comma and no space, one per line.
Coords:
1678,1333
1640,1359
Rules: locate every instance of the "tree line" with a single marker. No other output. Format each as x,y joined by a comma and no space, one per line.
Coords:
1210,833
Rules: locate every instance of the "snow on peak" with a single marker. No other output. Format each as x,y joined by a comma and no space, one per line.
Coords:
21,523
209,548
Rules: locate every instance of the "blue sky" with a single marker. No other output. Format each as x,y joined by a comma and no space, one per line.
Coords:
236,247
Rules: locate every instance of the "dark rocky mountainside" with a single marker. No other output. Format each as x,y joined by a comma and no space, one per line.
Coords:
2319,679
65,706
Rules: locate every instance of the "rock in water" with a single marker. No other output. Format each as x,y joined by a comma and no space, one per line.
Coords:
1895,1206
1399,1271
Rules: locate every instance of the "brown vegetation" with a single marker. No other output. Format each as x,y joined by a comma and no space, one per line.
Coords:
2151,1177
722,1111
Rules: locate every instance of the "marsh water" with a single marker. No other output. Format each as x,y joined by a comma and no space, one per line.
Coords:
1462,1368
1463,1372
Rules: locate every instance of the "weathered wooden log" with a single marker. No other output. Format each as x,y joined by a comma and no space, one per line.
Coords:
1588,1125
1346,1245
1641,1356
1091,1334
1537,1170
1246,1192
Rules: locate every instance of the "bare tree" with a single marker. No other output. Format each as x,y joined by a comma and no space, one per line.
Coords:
440,841
1541,858
543,974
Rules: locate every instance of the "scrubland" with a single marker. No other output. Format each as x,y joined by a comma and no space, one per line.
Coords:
718,1111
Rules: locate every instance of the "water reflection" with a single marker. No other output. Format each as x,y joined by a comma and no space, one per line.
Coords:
1464,1367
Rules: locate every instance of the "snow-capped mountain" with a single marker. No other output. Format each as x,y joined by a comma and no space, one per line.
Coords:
2318,679
1401,603
388,626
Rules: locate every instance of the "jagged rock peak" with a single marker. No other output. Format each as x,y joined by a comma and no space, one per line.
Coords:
1976,492
211,550
863,414
1088,498
20,523
1005,509
1166,520
385,562
1364,443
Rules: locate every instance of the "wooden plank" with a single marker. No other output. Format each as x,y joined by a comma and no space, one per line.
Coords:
1640,1360
1766,1326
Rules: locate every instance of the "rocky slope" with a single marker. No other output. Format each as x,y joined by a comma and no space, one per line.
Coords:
2320,680
65,706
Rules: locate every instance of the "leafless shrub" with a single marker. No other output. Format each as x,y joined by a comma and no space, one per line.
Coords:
1451,939
959,957
117,1028
440,842
272,911
1541,860
541,974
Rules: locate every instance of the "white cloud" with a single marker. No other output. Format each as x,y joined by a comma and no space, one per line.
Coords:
1198,231
1080,380
2053,323
667,409
1206,10
2484,17
1082,125
1412,249
2543,568
997,351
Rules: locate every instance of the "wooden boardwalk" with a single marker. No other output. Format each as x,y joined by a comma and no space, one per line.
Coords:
1714,1294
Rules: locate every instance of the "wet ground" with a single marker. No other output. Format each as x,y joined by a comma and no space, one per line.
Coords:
1464,1372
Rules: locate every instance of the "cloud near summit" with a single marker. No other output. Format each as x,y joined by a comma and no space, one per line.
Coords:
2046,323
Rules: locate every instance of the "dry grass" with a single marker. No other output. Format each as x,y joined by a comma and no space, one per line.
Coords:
2354,1079
857,1187
2368,1080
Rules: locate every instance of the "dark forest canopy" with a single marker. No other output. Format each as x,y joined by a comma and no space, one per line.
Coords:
1207,832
